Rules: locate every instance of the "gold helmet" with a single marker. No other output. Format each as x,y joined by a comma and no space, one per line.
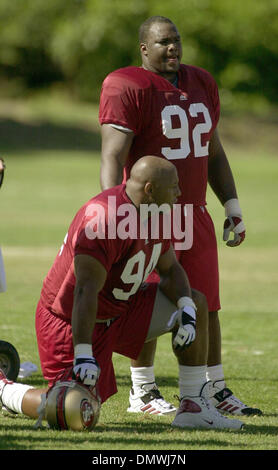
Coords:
72,405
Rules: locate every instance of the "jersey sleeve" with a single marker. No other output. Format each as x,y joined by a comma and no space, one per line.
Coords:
119,103
91,239
96,249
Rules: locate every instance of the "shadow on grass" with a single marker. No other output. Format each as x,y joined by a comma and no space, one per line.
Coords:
35,381
127,435
19,136
264,430
116,435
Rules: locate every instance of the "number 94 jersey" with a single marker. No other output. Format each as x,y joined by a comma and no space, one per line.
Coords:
174,122
110,229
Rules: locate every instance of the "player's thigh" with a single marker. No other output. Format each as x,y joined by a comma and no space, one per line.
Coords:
163,316
54,338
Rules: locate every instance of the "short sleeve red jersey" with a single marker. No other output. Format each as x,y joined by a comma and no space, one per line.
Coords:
109,228
174,122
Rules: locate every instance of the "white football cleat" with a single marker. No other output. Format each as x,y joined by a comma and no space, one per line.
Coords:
149,401
197,412
225,402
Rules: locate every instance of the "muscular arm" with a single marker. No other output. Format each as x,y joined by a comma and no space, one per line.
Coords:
114,152
220,176
90,278
174,281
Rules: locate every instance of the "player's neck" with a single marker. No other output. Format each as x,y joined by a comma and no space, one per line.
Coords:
132,196
170,77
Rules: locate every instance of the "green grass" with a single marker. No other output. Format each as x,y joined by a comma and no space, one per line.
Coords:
52,156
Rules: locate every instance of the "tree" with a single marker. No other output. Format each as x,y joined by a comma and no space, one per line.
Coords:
78,42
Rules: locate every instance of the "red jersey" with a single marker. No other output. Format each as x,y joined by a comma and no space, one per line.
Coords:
108,227
174,122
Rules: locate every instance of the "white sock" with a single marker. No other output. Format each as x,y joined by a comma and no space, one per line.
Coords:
13,394
215,373
140,376
191,380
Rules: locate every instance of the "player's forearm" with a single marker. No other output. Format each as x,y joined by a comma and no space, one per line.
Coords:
84,313
221,179
220,175
175,284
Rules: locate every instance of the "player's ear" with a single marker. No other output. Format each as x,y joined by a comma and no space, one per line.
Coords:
143,48
148,189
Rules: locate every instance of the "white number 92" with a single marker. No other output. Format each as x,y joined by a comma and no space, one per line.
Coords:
182,132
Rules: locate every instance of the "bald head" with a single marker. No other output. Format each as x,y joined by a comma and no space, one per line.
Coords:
153,180
151,168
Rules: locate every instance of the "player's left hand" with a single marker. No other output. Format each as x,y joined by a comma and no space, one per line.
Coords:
86,370
233,223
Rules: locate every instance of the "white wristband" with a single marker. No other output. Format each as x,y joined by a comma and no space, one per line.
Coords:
83,349
232,207
186,302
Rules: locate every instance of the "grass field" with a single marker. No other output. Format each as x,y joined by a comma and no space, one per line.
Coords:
52,153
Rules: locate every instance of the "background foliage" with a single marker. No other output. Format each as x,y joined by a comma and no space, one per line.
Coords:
76,43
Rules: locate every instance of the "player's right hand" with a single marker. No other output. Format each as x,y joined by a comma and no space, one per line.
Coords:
86,370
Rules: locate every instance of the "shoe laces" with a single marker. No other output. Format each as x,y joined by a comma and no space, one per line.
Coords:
162,403
152,393
229,395
205,395
237,401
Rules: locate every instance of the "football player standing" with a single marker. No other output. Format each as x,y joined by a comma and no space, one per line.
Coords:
171,110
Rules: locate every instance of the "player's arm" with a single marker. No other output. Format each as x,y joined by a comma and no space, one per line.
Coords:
222,182
175,285
219,171
174,281
90,278
114,151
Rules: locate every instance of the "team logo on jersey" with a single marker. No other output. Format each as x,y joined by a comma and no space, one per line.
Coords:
183,96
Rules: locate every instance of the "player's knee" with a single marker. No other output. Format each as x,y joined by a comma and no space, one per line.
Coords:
201,304
200,300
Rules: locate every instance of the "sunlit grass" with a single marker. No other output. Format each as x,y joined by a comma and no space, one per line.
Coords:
43,190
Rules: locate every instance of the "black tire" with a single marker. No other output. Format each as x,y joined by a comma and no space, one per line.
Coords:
9,360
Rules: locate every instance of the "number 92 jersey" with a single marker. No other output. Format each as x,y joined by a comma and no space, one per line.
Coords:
168,121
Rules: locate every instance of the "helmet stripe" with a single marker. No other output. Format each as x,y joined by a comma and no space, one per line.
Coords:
60,408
